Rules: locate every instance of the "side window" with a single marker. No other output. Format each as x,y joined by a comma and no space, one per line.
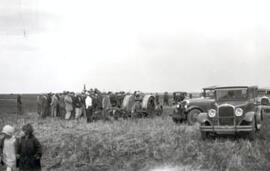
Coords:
251,93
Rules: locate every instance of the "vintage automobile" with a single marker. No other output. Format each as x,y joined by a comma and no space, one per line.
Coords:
263,96
179,96
189,109
235,111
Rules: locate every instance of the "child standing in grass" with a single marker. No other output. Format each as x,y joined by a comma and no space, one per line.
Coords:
8,148
29,150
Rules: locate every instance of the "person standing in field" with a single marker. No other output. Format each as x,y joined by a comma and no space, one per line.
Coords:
83,97
19,105
157,98
137,107
62,109
29,150
45,106
78,106
8,148
73,112
68,106
89,108
49,99
166,99
39,105
54,104
97,105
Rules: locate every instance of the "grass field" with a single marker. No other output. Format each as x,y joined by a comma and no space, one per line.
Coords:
145,144
8,103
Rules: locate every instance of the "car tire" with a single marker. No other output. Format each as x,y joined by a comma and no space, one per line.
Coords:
192,116
252,134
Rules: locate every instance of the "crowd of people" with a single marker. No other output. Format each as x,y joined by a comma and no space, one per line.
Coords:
70,105
92,104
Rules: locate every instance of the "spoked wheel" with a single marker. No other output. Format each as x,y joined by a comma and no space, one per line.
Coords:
192,116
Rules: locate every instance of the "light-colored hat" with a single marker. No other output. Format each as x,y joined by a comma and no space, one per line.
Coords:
9,130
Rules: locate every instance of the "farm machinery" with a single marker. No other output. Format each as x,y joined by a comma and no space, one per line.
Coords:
137,105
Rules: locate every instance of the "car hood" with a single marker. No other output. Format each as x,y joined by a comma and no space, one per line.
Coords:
200,100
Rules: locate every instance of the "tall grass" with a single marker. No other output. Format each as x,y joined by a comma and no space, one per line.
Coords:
144,144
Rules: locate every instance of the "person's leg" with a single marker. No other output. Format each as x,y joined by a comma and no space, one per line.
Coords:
84,111
87,115
78,112
55,111
68,114
81,112
9,168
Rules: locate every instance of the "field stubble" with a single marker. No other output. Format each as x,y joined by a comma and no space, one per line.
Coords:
145,144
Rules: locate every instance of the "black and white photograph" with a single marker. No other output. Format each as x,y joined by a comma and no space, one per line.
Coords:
124,85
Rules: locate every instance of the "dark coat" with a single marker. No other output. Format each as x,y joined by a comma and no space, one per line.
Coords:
78,102
30,152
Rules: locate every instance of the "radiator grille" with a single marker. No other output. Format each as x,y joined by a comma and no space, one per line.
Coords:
226,115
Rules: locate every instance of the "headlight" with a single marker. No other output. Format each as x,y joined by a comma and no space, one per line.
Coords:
178,106
238,112
186,102
212,113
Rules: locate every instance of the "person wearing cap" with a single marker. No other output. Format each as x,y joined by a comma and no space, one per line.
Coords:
8,148
29,150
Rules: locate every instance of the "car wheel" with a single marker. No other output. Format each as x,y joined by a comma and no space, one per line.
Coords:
192,116
252,134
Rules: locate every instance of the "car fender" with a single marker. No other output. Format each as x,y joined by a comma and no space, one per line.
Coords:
249,116
193,107
202,117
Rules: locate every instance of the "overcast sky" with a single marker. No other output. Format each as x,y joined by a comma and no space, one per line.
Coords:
56,45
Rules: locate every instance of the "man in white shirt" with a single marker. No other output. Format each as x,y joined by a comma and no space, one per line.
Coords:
89,108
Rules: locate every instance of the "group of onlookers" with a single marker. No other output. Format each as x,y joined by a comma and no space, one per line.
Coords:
69,105
23,151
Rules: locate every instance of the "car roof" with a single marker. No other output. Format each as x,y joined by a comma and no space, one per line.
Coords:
210,87
224,87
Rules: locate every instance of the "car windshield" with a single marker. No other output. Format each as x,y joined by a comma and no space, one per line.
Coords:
261,92
231,94
209,93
